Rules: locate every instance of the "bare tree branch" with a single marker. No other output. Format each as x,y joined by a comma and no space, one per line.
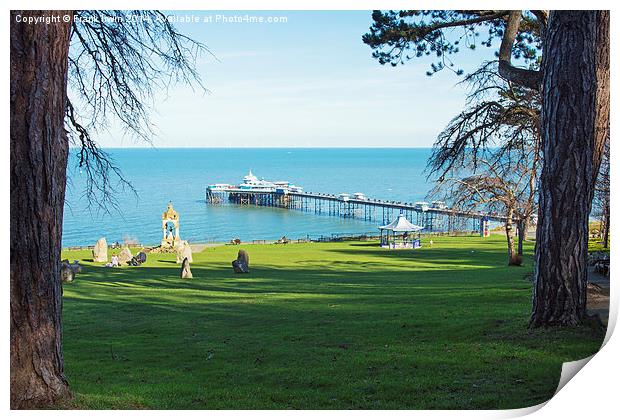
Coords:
500,118
118,62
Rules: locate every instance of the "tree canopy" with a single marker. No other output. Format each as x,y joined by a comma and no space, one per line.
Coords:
399,36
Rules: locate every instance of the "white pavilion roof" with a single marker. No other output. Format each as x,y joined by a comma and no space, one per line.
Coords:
401,224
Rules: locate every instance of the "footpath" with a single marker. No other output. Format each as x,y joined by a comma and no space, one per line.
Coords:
598,295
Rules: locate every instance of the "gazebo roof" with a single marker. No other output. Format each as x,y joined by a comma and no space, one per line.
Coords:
401,224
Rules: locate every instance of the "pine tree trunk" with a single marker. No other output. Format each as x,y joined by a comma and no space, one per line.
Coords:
575,126
38,179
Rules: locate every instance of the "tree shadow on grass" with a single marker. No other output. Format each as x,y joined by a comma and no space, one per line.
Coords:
354,327
343,279
169,262
355,337
473,257
365,244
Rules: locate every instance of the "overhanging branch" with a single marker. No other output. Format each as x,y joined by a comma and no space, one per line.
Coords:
520,76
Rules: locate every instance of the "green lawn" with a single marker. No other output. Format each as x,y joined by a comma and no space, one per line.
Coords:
596,245
330,326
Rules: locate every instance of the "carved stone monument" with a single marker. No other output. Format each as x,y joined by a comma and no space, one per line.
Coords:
170,228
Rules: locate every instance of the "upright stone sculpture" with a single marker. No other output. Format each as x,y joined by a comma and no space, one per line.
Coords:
184,250
170,228
186,272
124,256
242,255
100,252
179,252
242,264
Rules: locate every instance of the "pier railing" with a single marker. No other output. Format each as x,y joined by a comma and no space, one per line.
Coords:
433,219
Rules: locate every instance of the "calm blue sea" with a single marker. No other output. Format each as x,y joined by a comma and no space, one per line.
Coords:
181,175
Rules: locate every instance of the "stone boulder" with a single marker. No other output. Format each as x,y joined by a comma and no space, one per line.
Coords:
138,259
186,272
242,264
68,270
66,274
184,250
242,255
100,252
602,268
141,257
76,267
124,256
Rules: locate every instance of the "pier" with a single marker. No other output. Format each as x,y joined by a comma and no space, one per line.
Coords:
265,194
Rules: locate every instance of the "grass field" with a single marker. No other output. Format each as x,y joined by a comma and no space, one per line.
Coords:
329,325
596,244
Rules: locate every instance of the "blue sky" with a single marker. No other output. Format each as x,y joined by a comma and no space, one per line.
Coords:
309,82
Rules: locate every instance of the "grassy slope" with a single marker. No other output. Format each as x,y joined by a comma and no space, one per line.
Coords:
335,325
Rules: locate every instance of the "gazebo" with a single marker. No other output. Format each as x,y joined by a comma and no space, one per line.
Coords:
396,235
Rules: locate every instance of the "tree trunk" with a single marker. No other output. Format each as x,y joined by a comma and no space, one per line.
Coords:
523,226
607,219
38,164
510,237
575,126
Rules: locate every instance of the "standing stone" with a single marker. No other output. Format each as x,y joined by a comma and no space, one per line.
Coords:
183,251
124,256
100,252
179,252
242,255
242,264
186,272
67,273
239,267
187,252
